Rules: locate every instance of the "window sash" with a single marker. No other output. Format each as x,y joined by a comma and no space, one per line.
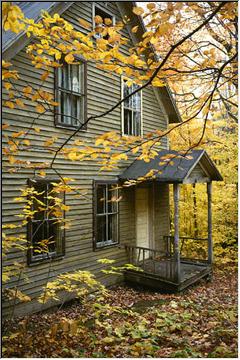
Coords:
104,13
45,226
71,95
109,225
132,111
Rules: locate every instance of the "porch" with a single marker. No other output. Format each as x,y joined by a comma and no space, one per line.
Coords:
159,270
179,261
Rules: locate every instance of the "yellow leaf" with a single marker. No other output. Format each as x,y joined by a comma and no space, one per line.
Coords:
72,156
98,19
9,104
108,21
69,58
26,142
27,90
5,64
98,141
45,75
151,6
42,173
40,108
15,135
19,102
7,85
157,83
12,159
84,23
138,10
135,29
5,277
37,129
135,149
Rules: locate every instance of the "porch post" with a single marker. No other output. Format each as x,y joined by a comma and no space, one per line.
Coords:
210,244
176,231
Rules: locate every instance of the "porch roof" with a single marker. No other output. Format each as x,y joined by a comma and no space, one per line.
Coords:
171,166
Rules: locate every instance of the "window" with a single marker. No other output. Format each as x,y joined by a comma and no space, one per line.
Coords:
131,111
104,14
71,95
45,236
106,214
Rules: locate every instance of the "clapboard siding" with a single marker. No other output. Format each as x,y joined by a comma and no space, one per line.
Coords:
103,91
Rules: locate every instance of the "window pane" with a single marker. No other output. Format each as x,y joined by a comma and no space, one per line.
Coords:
76,110
112,197
126,92
101,235
75,78
37,236
66,84
112,228
127,122
136,103
41,199
137,122
65,108
53,235
101,199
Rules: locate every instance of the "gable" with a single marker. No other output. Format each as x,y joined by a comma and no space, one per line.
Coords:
196,167
197,175
13,43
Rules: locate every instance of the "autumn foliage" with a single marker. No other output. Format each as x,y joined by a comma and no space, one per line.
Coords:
190,47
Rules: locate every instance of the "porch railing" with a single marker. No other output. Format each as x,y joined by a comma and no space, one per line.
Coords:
163,263
191,248
152,261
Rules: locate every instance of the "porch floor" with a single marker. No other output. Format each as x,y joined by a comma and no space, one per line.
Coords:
156,275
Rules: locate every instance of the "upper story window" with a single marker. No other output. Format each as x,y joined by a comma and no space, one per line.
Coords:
45,234
131,111
107,18
71,95
106,214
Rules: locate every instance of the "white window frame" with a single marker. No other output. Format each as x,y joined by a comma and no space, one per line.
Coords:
123,79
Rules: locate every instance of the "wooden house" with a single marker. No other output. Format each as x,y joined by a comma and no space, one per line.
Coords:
135,230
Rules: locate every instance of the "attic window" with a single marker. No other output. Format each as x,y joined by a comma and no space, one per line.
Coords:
106,16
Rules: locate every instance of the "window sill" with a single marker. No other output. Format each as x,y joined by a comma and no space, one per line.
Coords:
45,260
127,135
98,248
66,127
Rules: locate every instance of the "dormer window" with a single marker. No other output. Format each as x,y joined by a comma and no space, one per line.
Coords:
71,95
107,18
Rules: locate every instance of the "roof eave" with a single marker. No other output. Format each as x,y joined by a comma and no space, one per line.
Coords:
21,40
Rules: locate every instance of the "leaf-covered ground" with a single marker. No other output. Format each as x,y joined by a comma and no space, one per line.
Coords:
201,322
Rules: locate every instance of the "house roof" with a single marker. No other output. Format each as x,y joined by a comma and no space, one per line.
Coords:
175,167
32,10
12,43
